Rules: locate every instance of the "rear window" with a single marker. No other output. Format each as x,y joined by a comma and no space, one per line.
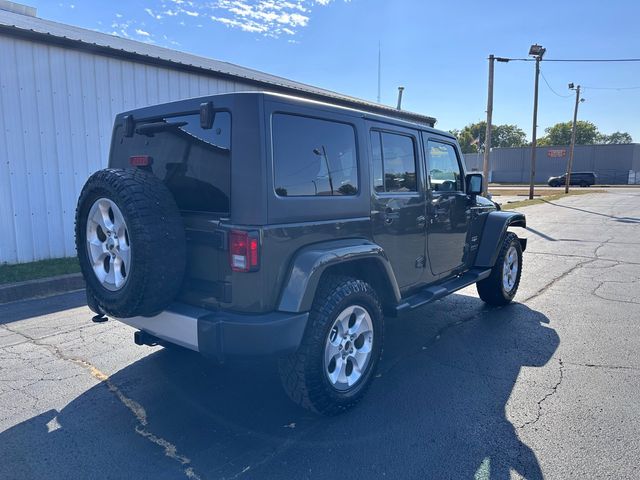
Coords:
194,163
313,157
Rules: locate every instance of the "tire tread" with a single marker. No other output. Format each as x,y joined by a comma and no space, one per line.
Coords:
490,289
301,379
153,222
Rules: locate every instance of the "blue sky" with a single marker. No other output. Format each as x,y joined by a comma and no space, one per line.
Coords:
436,50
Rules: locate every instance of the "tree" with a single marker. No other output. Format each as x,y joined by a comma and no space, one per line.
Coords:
615,137
560,134
502,136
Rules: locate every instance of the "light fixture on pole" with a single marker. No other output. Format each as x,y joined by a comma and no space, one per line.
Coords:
536,51
573,136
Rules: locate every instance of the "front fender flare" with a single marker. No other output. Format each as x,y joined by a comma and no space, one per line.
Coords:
311,262
494,230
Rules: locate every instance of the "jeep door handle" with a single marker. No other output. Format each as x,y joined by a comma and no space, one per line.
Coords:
421,221
391,215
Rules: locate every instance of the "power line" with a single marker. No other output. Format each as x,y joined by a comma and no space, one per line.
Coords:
506,59
613,88
592,60
550,88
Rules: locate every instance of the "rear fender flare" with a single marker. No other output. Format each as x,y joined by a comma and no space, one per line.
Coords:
495,228
311,262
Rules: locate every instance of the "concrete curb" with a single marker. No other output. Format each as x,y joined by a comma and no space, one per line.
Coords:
42,287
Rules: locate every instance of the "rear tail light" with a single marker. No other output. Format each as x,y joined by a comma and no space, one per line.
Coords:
244,251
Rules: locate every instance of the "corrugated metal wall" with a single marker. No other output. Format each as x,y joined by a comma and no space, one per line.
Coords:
56,113
611,163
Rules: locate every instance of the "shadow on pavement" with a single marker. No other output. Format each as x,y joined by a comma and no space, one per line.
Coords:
12,312
437,410
591,212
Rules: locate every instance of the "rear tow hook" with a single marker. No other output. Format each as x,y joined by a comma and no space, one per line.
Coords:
99,318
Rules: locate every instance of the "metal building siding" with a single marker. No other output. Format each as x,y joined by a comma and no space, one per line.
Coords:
57,109
611,163
636,158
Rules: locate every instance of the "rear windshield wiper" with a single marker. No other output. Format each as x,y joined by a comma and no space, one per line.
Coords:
151,128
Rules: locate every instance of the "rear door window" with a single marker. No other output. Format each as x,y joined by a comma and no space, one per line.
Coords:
313,157
394,162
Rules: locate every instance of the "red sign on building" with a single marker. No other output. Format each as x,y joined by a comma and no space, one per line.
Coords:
561,152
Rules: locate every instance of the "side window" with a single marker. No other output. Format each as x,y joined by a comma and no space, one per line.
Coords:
444,169
313,157
394,162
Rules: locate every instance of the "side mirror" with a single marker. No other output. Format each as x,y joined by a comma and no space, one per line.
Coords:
474,183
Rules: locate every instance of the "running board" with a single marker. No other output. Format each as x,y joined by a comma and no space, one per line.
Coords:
436,292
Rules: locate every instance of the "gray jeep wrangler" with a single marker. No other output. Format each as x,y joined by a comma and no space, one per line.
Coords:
263,224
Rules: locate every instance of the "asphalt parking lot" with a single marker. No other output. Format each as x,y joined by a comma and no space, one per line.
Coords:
546,387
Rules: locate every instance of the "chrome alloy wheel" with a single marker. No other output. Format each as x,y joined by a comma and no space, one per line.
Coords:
347,351
108,244
510,269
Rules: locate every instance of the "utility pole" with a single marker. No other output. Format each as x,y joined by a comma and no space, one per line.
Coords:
536,51
573,138
487,137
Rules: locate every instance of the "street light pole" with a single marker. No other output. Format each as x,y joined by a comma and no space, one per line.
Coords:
487,137
573,139
536,51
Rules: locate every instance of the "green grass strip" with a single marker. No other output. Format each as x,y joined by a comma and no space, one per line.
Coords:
44,268
545,199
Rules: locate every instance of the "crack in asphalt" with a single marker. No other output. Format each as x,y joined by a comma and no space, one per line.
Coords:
441,331
568,255
577,266
595,293
605,367
553,391
557,279
138,411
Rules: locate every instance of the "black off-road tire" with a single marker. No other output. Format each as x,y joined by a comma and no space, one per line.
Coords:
302,373
156,235
491,289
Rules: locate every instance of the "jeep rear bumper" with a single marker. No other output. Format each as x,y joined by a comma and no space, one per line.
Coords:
220,333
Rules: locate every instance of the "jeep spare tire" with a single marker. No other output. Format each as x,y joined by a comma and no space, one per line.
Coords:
131,243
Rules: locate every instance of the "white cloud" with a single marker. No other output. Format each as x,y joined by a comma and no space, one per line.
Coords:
272,18
269,18
152,14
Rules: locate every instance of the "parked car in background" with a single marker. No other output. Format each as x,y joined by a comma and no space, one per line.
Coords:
584,179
